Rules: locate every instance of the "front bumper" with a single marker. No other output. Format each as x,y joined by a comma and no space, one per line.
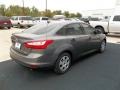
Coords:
31,60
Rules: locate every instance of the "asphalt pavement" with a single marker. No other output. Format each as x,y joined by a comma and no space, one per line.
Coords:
92,72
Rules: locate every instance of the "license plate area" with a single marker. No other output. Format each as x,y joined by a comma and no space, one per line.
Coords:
17,45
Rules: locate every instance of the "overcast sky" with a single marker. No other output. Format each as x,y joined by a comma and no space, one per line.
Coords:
64,5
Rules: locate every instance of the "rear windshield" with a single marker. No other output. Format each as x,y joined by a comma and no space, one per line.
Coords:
41,28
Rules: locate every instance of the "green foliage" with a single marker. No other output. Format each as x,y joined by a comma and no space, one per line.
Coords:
15,10
57,12
2,9
34,12
67,14
78,15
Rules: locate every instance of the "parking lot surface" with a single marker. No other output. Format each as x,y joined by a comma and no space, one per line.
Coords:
92,72
5,42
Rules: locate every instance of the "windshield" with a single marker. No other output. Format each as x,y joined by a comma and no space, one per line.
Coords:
25,18
41,28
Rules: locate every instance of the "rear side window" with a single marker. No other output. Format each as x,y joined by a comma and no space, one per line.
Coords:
116,18
88,29
71,29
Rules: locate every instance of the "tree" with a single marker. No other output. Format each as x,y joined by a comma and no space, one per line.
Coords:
48,13
15,10
2,10
34,12
57,12
66,13
72,15
78,15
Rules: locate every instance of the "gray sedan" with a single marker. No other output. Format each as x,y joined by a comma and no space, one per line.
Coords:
55,45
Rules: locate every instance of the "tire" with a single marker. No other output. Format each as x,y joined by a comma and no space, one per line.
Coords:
9,27
102,46
101,29
0,27
19,26
63,63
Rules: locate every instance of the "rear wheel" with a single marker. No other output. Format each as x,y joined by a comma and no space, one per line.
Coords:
9,27
101,29
19,26
63,63
102,46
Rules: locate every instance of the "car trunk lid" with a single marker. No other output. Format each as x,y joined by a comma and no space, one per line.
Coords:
18,40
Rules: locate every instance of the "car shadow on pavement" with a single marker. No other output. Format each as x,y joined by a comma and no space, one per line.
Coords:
91,72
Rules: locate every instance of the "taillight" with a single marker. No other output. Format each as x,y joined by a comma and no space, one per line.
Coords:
39,44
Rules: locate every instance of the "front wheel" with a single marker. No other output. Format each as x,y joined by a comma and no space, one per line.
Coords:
63,63
102,46
101,29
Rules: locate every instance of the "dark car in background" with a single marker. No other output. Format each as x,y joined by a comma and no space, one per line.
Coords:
55,45
5,22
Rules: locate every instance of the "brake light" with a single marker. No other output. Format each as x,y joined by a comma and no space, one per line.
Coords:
39,44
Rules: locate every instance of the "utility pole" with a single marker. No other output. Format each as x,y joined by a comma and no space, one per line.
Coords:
23,7
46,7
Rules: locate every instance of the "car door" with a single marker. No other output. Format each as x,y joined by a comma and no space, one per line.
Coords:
114,25
78,38
94,39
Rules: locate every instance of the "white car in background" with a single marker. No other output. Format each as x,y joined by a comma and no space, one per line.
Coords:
22,21
38,20
108,26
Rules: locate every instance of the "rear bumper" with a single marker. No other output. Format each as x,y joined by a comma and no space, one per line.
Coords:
32,60
6,25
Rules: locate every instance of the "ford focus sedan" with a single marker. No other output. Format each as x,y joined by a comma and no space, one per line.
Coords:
55,45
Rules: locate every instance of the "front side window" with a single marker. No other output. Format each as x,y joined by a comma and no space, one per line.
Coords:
116,18
71,29
88,29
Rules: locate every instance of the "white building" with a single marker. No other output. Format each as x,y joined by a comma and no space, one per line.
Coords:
101,13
